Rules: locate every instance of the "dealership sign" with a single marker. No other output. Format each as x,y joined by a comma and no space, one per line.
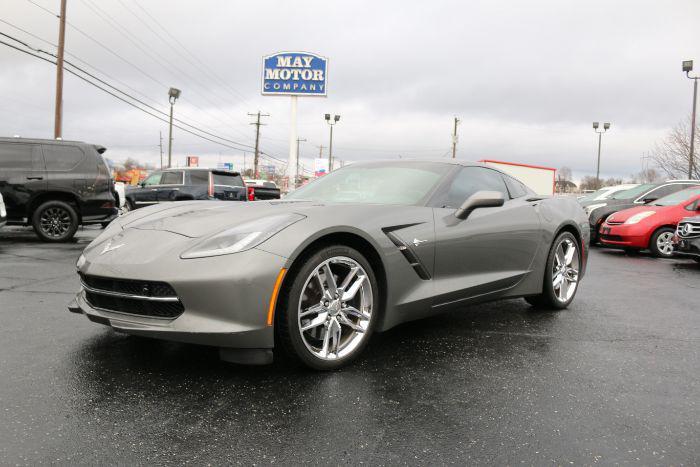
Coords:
295,74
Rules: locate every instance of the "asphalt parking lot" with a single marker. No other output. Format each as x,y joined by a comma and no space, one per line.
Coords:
613,379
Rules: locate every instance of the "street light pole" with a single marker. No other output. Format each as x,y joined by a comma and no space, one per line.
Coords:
688,67
606,126
331,122
173,94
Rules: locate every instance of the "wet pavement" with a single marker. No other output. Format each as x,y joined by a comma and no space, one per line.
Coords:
613,379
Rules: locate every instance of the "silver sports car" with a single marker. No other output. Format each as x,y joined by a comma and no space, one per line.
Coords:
360,250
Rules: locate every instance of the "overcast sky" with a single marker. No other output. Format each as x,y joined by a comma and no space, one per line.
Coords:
526,78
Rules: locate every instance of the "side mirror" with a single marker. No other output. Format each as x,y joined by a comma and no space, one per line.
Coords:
649,199
480,199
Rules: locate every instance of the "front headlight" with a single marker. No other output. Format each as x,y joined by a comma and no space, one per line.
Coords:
593,207
639,216
81,261
242,237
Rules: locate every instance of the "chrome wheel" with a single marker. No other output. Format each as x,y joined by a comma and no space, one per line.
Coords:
335,308
664,243
55,222
565,270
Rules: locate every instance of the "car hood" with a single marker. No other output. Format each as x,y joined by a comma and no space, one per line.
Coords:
196,219
622,216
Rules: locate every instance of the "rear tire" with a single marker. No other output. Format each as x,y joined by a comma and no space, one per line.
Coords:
562,272
660,242
315,324
55,221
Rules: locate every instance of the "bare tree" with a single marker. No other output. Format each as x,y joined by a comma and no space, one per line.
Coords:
564,174
588,183
672,154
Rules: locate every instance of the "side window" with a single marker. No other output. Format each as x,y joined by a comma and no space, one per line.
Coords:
153,179
171,178
199,177
16,156
662,191
62,157
227,179
469,180
694,206
516,189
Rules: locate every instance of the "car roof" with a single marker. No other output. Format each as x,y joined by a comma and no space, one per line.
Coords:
5,139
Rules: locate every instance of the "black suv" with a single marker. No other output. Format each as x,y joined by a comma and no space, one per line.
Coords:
55,186
186,184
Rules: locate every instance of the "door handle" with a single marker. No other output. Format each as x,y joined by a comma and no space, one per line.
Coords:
35,178
154,189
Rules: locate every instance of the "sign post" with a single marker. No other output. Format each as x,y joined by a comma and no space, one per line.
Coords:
294,74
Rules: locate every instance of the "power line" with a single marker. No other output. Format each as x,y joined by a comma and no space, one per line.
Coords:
123,99
126,94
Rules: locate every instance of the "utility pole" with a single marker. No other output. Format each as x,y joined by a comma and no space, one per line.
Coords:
320,152
160,135
58,116
257,140
298,141
173,95
454,139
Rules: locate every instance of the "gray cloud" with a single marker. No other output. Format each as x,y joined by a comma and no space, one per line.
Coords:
526,78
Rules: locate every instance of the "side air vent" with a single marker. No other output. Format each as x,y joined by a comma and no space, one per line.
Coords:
408,254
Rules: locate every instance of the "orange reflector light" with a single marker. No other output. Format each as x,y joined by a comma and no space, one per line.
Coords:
273,297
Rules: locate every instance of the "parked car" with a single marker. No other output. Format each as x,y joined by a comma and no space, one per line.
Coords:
598,211
362,249
184,184
686,242
652,225
262,189
605,193
55,186
3,212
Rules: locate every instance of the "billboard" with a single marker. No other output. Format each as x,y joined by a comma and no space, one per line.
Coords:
192,161
294,74
320,167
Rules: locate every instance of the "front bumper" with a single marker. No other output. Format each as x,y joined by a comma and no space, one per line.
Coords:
686,248
225,298
622,235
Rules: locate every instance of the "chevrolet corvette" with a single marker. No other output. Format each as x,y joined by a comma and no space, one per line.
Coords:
314,275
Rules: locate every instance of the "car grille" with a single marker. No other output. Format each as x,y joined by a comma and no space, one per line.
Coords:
143,298
691,231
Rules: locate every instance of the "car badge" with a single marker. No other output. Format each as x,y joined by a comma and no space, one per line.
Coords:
109,247
417,242
686,229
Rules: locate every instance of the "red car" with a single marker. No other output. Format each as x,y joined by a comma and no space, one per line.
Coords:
651,226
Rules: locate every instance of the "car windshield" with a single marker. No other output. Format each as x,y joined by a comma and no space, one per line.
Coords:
678,197
633,192
402,183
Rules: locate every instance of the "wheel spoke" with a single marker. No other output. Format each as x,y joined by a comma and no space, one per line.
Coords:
342,319
350,293
330,280
557,280
336,331
351,275
316,322
568,259
352,311
311,310
326,338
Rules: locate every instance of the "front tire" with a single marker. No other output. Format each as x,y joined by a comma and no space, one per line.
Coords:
55,221
661,244
330,308
561,274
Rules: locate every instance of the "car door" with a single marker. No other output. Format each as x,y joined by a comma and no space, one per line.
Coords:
491,250
170,185
22,177
146,193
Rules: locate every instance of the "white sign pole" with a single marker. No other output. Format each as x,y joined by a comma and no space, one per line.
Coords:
292,163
